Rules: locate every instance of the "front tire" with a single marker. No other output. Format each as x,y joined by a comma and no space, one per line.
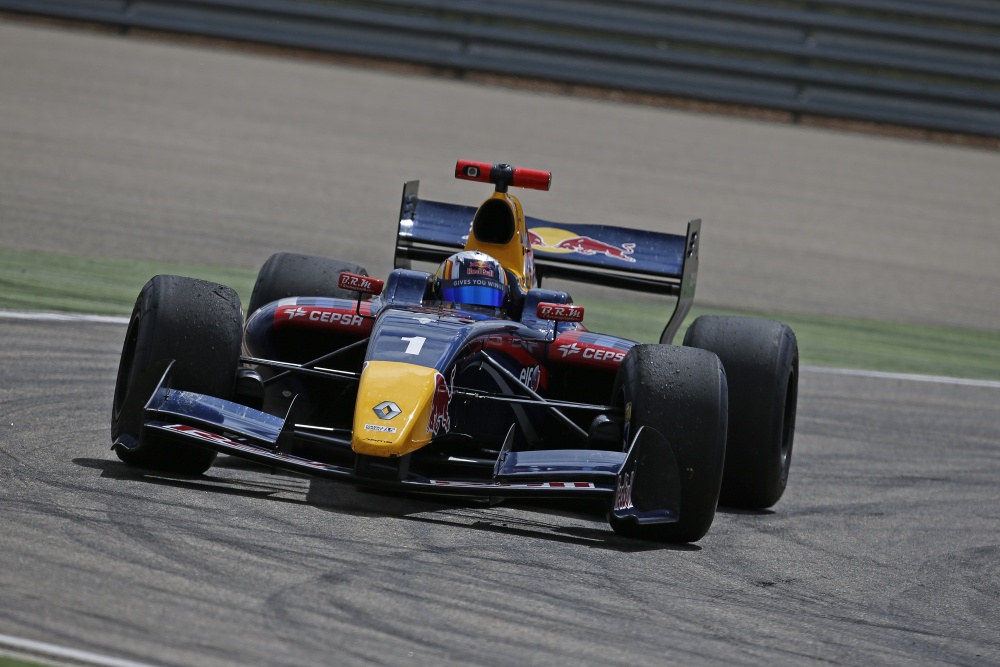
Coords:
286,274
196,323
680,393
761,358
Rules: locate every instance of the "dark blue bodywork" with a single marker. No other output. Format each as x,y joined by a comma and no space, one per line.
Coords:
528,400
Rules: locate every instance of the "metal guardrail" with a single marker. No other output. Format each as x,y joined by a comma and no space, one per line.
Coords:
922,63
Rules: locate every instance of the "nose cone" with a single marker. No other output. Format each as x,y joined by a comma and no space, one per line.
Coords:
400,407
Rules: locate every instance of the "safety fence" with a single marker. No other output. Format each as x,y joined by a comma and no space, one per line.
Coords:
919,63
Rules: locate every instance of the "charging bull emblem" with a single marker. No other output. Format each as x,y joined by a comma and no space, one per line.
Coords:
549,239
440,420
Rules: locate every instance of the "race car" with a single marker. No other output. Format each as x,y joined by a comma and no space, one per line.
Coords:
469,379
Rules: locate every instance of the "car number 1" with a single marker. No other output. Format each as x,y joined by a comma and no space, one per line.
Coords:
414,344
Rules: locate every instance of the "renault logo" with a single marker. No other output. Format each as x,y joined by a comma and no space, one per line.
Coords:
386,410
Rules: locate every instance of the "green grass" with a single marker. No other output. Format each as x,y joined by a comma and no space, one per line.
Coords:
832,341
15,662
40,281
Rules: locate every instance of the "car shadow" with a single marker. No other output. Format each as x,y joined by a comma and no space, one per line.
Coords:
111,469
553,521
722,509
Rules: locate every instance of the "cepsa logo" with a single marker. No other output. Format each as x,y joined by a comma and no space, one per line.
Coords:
318,315
592,352
599,354
569,349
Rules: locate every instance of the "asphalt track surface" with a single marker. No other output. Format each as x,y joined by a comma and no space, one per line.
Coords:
883,551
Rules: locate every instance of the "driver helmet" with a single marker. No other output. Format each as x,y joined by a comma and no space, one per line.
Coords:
472,280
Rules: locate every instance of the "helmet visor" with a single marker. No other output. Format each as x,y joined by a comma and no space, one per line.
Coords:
479,295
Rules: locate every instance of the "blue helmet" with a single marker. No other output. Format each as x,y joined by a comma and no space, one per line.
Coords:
472,278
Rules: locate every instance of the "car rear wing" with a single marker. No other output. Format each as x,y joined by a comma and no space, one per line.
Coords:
654,262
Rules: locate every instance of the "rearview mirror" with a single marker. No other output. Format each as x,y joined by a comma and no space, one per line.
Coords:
358,283
560,312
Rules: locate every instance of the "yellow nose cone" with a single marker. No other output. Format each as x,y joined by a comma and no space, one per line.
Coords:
400,408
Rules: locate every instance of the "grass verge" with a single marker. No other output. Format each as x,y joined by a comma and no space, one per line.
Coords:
836,342
42,281
6,661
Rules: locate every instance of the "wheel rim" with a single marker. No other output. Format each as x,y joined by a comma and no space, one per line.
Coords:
125,365
788,424
619,402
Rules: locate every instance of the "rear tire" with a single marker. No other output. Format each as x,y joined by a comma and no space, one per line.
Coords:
199,325
680,393
761,358
286,274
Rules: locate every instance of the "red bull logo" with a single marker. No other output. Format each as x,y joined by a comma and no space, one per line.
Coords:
550,239
440,420
480,268
623,492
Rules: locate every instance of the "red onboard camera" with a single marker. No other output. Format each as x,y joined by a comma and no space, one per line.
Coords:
503,175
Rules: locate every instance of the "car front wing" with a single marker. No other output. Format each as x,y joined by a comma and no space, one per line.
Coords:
237,430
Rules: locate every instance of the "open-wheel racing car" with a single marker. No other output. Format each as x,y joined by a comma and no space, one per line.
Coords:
471,380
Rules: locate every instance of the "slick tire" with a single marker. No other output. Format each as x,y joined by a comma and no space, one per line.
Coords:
761,359
286,274
197,324
681,393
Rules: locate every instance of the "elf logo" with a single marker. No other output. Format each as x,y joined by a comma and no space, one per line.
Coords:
530,377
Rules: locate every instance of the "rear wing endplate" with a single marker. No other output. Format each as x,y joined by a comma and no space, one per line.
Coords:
646,261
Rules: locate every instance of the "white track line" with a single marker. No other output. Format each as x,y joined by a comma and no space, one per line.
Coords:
906,377
61,317
909,377
42,650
